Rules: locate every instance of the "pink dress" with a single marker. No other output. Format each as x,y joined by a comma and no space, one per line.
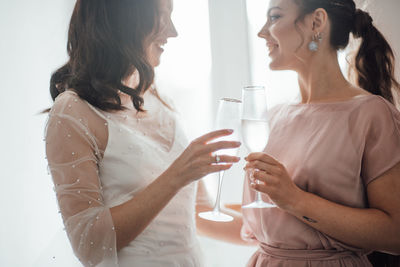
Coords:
333,150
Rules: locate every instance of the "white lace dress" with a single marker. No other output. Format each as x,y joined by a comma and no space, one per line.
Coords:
99,160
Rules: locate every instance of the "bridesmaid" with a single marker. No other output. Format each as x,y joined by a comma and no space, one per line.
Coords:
332,164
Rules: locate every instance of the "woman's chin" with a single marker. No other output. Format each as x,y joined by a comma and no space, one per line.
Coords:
274,66
155,62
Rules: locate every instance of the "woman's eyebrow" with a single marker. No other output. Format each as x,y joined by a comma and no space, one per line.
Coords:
272,8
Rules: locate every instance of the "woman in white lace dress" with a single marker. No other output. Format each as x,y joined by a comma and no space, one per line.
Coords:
124,181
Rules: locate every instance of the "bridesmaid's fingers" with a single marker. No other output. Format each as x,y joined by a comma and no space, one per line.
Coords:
264,178
260,188
261,156
260,165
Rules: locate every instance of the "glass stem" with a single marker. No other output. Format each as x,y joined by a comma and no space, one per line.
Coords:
258,194
258,197
217,201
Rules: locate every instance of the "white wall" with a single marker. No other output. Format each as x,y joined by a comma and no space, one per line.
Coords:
32,45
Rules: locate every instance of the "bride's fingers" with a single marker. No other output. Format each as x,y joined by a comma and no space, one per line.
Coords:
218,167
219,145
213,135
207,160
222,159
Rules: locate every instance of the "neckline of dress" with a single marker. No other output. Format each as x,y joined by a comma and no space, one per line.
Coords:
338,102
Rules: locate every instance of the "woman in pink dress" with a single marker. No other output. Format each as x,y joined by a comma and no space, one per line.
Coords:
332,164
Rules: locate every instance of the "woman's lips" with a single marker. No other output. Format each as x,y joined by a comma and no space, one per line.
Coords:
271,47
160,46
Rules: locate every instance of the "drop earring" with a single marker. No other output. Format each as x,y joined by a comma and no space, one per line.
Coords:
314,44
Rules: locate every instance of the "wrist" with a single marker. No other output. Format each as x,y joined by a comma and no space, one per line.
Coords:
172,180
296,201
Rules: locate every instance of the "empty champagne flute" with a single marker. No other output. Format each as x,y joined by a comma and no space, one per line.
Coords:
228,117
255,129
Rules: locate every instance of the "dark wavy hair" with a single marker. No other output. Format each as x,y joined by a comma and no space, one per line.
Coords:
107,43
374,61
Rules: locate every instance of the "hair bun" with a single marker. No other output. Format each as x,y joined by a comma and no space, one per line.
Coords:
362,23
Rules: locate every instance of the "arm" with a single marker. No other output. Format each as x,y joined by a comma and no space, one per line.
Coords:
375,228
223,231
132,217
75,139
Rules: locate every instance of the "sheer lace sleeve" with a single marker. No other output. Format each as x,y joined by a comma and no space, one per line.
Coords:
75,140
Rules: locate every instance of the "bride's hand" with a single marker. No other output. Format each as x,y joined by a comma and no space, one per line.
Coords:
197,160
274,180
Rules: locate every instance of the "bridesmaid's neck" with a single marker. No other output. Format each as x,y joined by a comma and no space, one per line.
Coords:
322,80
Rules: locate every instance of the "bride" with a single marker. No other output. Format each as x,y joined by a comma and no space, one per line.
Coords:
124,174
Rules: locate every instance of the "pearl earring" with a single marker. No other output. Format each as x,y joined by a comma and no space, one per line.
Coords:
314,45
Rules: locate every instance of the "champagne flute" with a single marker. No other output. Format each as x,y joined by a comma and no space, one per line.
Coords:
255,129
228,117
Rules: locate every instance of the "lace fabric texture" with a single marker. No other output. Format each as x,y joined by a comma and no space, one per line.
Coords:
73,153
99,160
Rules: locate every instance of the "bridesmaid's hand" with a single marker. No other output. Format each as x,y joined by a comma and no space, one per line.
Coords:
273,179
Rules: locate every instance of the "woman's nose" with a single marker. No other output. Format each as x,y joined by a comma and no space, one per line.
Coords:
172,31
263,33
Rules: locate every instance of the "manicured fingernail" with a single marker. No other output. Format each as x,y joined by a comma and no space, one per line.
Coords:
230,130
253,184
238,143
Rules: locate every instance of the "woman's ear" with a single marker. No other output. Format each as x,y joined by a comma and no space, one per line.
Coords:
319,20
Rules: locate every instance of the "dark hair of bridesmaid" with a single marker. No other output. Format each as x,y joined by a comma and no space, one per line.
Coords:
374,61
106,44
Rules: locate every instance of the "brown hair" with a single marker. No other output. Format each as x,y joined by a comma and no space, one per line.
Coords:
374,61
106,44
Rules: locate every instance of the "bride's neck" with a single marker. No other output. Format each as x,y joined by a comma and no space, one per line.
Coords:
132,81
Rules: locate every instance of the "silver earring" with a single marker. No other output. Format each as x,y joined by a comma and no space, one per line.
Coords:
314,45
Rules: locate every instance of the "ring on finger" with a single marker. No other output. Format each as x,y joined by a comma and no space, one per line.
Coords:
217,159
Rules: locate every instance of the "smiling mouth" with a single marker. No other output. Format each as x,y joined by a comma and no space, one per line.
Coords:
272,47
161,45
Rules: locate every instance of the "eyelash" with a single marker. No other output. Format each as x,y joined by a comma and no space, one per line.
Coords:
274,17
